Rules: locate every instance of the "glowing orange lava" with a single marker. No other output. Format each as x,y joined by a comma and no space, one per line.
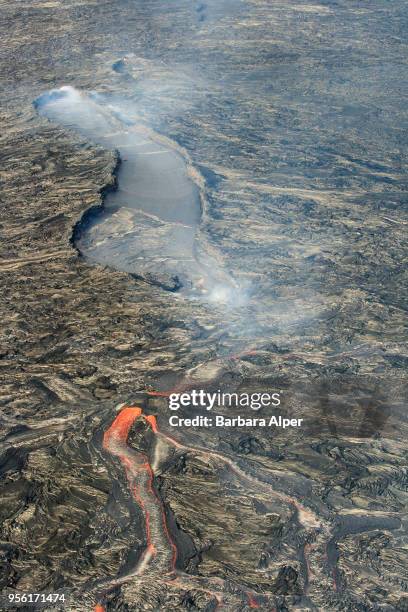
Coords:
119,430
159,393
140,477
252,601
160,549
153,423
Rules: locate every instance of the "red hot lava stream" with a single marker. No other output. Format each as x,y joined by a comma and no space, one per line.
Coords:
307,518
160,553
140,477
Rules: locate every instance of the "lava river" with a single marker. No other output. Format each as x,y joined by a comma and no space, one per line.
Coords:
160,554
160,549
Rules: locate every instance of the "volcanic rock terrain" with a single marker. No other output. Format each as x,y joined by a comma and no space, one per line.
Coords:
289,118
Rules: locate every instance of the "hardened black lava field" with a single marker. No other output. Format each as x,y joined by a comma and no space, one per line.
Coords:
285,123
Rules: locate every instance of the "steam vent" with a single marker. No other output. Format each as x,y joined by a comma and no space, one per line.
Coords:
203,305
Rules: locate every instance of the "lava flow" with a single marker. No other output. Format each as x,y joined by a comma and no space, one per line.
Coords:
306,517
160,548
160,554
